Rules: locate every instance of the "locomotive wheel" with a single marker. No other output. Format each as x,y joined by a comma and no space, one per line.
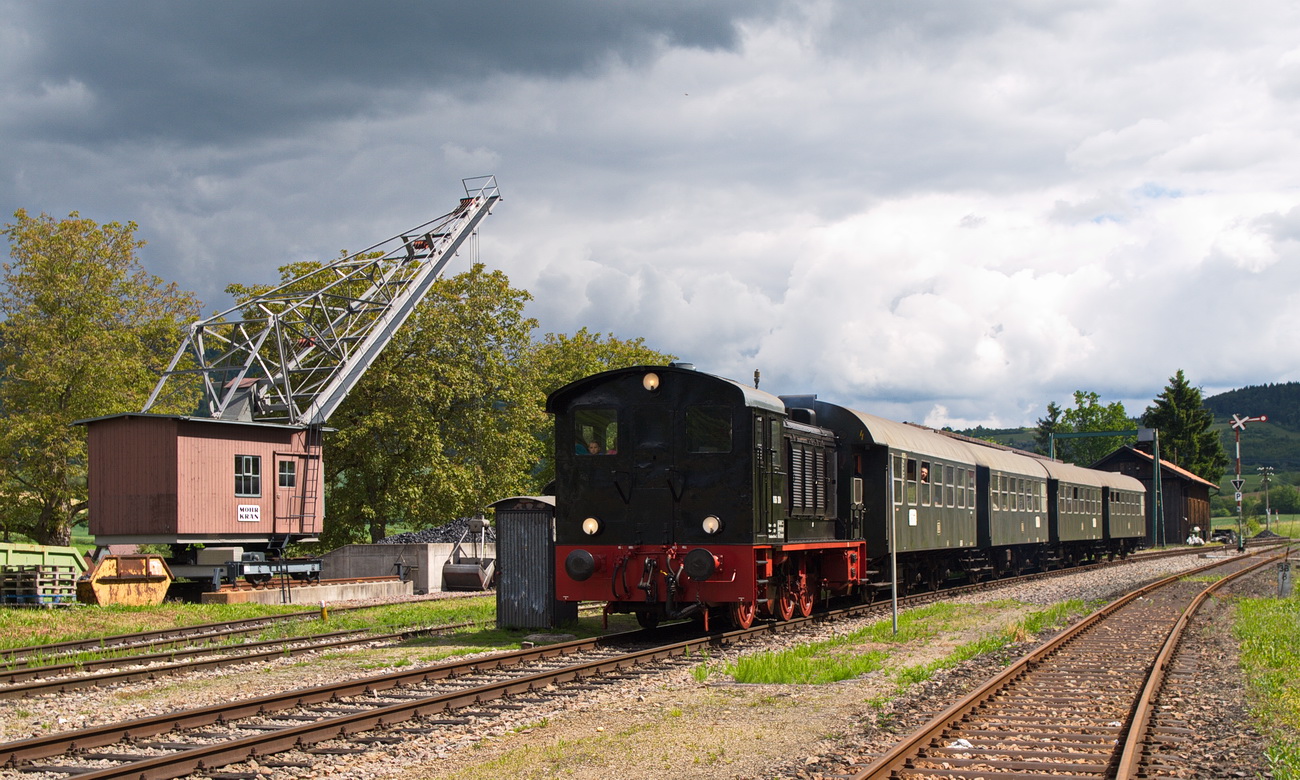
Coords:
805,600
742,614
785,604
647,619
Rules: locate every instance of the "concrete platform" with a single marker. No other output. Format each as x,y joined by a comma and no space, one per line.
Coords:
312,594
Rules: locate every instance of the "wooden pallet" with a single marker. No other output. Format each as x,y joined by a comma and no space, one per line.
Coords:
39,586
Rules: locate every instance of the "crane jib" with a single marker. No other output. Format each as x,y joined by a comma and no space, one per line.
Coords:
291,354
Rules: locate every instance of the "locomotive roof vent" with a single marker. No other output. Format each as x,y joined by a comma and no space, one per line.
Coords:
687,366
801,408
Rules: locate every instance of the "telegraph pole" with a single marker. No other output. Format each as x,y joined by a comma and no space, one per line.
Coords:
1239,425
1266,476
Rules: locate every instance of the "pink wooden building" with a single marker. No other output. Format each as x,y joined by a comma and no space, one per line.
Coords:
164,479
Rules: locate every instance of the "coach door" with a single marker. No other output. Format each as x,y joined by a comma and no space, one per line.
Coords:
769,479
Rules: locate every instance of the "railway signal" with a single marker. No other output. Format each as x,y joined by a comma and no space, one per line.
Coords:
1239,425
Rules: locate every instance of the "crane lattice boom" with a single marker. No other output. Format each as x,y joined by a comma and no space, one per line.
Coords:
292,354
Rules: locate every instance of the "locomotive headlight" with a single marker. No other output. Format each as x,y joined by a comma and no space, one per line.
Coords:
650,381
591,526
711,524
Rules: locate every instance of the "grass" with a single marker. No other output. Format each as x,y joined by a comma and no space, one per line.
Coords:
1269,631
23,627
871,648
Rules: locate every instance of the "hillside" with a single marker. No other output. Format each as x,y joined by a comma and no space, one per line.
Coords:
1280,403
1274,443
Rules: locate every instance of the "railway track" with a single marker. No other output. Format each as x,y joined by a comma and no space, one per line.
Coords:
264,725
1079,706
360,712
152,655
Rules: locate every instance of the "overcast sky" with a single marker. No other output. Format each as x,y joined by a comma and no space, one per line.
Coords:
944,212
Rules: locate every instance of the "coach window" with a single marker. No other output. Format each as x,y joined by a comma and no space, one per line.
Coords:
898,479
911,482
708,429
949,486
925,479
596,432
248,475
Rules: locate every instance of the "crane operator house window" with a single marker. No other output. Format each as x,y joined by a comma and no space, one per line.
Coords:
248,475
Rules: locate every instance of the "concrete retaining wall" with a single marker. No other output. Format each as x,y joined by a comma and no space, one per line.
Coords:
423,562
310,595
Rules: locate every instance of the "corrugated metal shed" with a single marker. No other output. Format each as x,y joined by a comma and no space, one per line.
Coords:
525,527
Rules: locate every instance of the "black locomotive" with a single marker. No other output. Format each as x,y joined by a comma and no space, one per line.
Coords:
682,493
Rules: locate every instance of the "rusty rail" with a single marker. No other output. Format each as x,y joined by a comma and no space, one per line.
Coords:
969,739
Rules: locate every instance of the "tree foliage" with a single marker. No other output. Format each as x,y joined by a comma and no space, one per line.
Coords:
451,415
1047,426
1280,402
1088,415
86,330
443,422
1186,436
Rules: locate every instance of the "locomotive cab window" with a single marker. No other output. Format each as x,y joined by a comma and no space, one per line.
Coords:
708,429
596,432
248,475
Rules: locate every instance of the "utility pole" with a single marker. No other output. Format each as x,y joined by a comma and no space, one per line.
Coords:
1266,476
1239,425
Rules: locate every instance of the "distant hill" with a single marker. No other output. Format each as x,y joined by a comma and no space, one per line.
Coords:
1280,403
1274,443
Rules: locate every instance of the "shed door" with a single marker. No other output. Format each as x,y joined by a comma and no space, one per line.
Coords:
289,488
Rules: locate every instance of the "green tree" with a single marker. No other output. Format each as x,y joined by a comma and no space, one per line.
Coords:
85,332
1284,499
1186,436
1089,415
1047,426
559,359
444,421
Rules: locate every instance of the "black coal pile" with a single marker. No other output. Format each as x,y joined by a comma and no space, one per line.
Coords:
447,533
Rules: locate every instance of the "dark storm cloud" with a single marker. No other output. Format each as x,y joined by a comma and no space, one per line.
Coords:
213,72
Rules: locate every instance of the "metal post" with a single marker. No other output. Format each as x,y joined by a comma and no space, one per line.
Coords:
1266,472
1158,487
1238,427
1241,524
893,552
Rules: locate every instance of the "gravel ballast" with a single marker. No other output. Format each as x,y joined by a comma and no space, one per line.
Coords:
668,723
